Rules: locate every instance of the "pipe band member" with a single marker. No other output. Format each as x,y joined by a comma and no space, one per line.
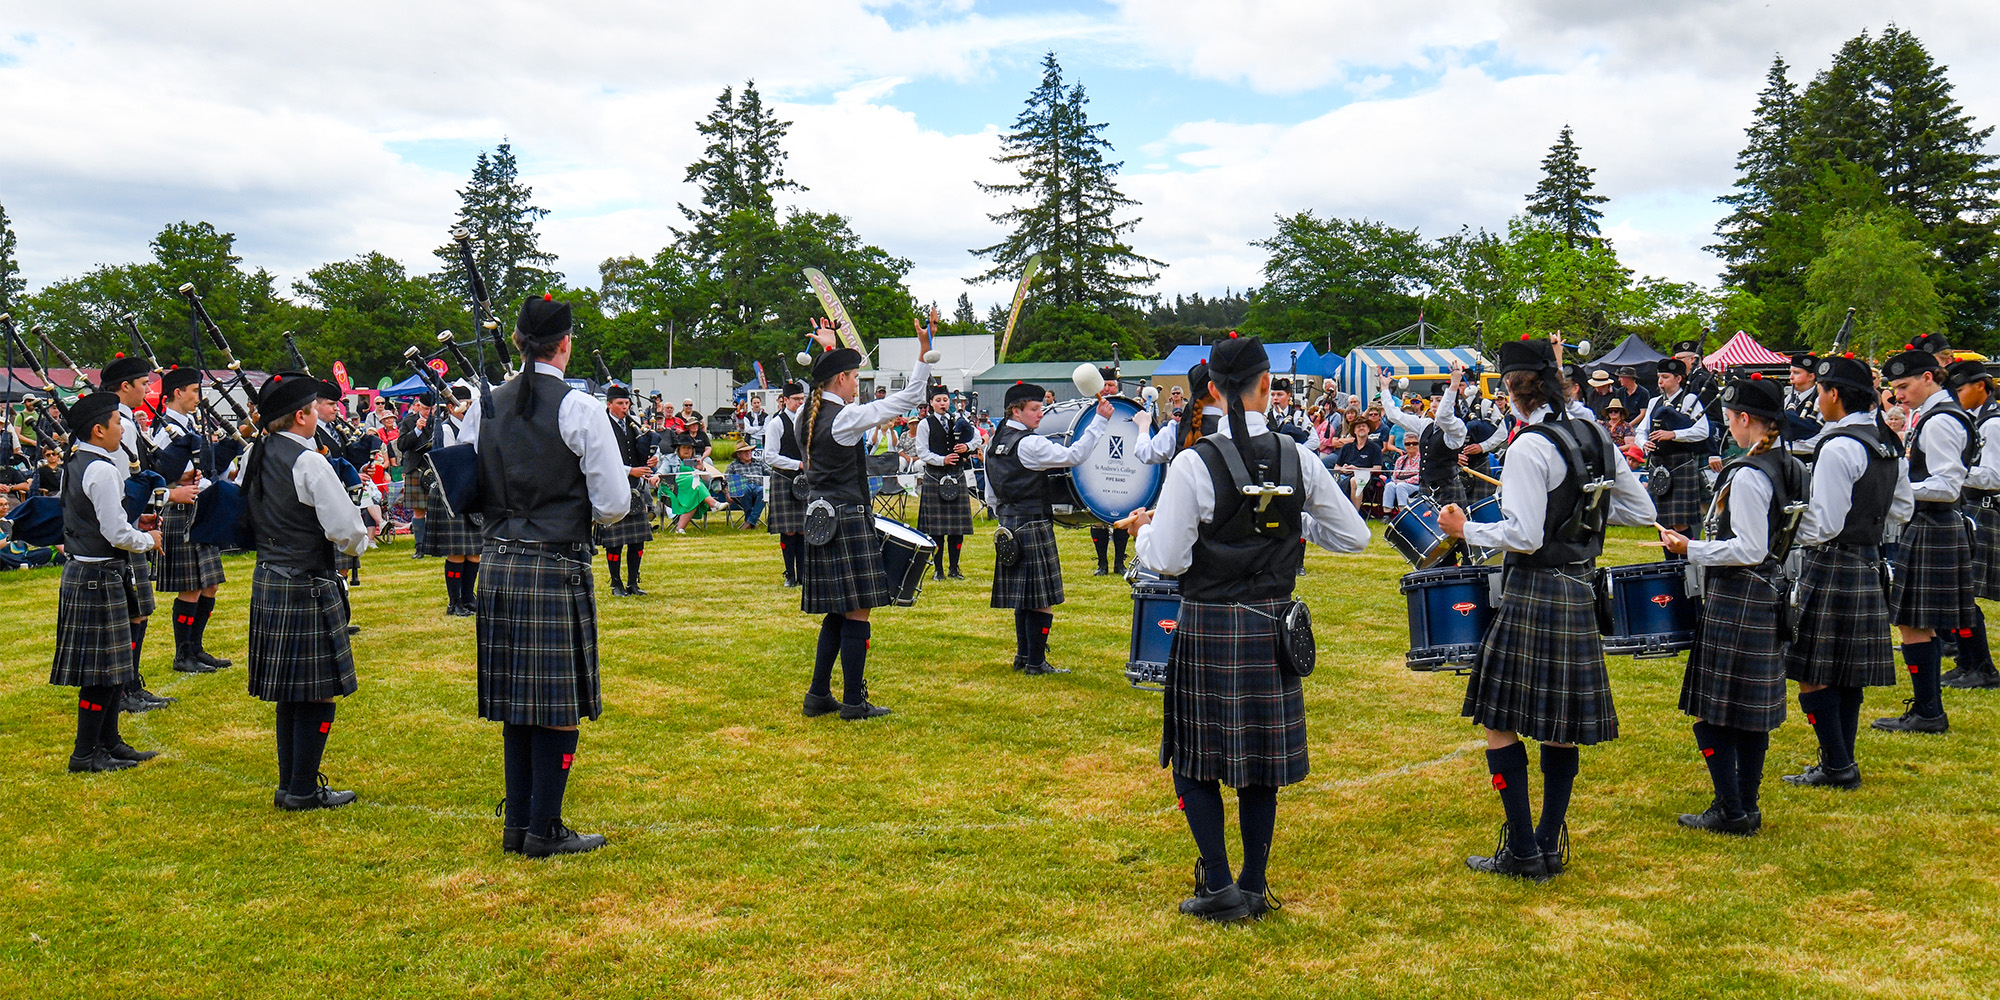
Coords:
549,469
189,570
945,444
844,579
1160,447
457,539
1231,716
1675,431
129,379
1734,686
100,610
1803,423
1018,463
1842,641
1933,589
300,514
780,452
624,541
1439,438
1969,381
1539,671
1102,536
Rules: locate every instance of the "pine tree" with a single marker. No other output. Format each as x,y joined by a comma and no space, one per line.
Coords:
963,316
496,209
1563,196
1071,203
11,285
1768,179
743,166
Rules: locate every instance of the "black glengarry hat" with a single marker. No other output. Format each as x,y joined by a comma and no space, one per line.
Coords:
616,391
1756,395
840,359
1846,370
543,320
1909,363
1675,367
1526,355
1687,347
90,411
793,388
1964,373
121,370
1805,361
1233,362
178,378
286,393
1930,342
1023,392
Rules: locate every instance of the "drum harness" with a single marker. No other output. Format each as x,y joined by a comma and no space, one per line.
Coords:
1297,651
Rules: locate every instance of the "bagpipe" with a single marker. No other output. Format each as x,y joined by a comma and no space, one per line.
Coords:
221,517
352,447
217,455
454,468
34,365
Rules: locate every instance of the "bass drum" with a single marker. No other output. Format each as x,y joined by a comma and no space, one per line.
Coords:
1110,482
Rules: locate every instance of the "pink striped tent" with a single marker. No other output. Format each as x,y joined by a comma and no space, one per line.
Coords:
1743,349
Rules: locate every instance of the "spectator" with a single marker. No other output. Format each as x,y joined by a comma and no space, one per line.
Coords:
1402,483
684,484
1620,428
1601,394
750,421
880,446
48,477
1898,419
10,442
746,479
1636,396
1355,464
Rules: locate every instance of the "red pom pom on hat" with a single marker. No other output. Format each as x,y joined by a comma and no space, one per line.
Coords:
548,297
1524,336
1232,335
1909,347
1849,354
118,356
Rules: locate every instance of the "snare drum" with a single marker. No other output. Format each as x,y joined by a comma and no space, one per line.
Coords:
906,556
1110,482
1156,609
1485,510
1415,533
1646,610
1450,609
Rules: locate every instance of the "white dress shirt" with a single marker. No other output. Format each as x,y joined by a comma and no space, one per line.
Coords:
173,424
1806,405
1534,469
1187,501
774,438
1689,404
1841,462
104,484
1447,419
1039,452
1943,441
128,435
922,444
585,427
1985,471
1748,498
318,487
857,419
1160,448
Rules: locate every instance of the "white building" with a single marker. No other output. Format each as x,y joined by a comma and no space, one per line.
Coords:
964,357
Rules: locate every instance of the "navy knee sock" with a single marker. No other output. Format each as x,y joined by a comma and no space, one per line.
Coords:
1201,802
1024,647
1257,816
1509,766
552,752
184,615
470,586
1751,746
311,724
1973,651
1559,767
611,560
957,542
1119,539
93,703
853,661
287,718
1718,751
517,744
633,555
138,648
824,654
1927,694
204,607
1100,537
1039,623
453,575
1823,713
1850,718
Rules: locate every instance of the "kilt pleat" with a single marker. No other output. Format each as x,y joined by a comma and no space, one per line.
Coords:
1230,714
342,562
635,528
445,535
1685,504
1540,670
1735,674
1448,492
298,637
1934,583
1986,552
786,513
184,565
1843,635
846,573
537,630
143,601
937,517
1035,580
95,605
416,492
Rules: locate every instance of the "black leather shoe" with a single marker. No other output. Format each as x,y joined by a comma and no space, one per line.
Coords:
1262,903
1844,778
204,656
122,750
1031,669
561,840
937,574
791,581
1102,571
1911,722
1118,569
618,590
1952,675
512,838
353,630
153,700
866,710
97,761
634,591
1972,678
1715,820
134,703
1221,906
1045,667
192,667
820,704
1556,858
1505,862
1756,819
319,798
467,611
956,575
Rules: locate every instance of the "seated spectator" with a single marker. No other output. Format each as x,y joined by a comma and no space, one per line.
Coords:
1898,419
684,484
1620,428
1355,464
746,480
48,476
1402,483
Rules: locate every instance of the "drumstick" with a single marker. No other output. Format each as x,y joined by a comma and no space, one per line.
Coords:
1481,476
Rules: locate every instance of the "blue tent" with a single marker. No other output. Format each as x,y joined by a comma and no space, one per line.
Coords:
1187,356
1362,362
412,386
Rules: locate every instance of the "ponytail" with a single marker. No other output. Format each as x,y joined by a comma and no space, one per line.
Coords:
812,421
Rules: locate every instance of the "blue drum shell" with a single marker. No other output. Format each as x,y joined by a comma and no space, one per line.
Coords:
1156,610
1450,609
1649,607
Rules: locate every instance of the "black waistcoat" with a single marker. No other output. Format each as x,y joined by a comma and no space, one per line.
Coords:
1025,491
1788,484
1242,554
1565,513
1868,512
788,442
1920,463
836,471
1668,416
287,529
1437,463
630,449
944,434
531,486
81,536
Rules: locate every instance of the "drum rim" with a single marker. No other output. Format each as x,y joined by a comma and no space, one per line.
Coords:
1086,512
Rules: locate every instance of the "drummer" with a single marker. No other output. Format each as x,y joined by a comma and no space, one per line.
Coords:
1160,448
1439,439
1101,534
1540,671
1735,681
1027,575
1674,430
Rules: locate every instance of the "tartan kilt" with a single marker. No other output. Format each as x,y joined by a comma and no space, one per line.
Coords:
937,518
1540,670
785,513
635,528
184,565
846,573
1735,674
1477,488
1229,714
1934,584
1843,638
95,605
1035,580
1684,504
298,636
1448,492
445,535
142,579
416,492
537,629
1986,552
344,563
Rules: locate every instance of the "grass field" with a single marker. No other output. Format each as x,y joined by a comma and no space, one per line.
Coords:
997,836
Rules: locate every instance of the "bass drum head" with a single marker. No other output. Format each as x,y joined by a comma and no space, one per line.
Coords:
903,533
1110,483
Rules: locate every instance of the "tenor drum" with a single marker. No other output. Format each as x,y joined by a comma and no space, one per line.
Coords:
1450,609
1110,482
1415,533
906,555
1485,510
1646,609
1156,609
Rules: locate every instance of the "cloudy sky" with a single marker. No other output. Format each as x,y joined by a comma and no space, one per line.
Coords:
317,132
